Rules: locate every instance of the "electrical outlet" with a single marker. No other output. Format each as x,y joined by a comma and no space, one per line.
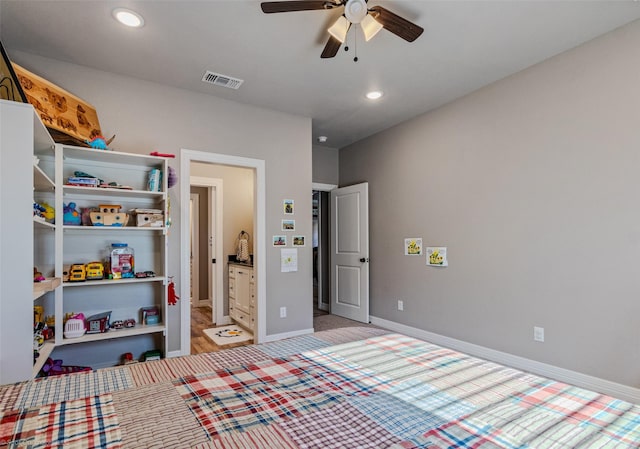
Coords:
283,312
400,305
538,334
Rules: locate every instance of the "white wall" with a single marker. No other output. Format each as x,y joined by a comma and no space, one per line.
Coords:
147,117
533,185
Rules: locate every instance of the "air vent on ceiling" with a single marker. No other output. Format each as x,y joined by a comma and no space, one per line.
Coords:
222,80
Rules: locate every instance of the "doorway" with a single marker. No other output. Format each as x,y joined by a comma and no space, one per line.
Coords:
321,245
320,239
206,237
190,163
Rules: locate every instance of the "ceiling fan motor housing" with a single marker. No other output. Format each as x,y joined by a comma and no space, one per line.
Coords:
355,10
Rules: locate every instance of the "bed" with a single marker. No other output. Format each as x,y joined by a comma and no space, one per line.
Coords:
345,388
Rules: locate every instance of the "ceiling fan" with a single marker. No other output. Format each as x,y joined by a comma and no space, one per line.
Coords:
371,20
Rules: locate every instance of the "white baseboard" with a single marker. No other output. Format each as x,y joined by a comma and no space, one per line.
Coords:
614,389
174,354
226,319
276,337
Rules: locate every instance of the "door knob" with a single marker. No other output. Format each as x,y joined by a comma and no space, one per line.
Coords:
363,260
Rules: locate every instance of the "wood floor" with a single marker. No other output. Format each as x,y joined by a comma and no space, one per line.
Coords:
200,343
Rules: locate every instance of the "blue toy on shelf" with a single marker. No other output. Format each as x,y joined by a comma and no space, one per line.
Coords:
71,215
99,142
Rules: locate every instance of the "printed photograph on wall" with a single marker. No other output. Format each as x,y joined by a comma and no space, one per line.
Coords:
288,206
298,240
288,225
437,256
279,240
412,246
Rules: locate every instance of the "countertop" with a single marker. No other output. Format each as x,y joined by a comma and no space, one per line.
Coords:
232,260
241,264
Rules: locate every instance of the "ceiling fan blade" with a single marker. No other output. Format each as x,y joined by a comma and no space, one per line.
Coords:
396,24
297,5
332,47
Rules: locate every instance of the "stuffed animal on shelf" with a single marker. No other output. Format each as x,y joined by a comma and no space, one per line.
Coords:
38,210
71,215
99,142
49,213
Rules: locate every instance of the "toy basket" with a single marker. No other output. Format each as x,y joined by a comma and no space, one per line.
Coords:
74,328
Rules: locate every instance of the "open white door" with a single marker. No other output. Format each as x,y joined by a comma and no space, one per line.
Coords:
350,252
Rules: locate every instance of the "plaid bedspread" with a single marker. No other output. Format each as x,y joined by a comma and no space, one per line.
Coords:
350,388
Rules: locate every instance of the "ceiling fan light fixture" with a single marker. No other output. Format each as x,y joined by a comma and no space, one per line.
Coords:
340,28
370,27
355,10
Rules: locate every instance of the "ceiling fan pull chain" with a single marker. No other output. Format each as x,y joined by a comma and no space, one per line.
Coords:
355,43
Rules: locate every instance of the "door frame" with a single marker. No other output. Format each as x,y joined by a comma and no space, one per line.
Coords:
215,230
194,245
315,186
259,231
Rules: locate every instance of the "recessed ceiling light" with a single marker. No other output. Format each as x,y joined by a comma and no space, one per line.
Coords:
374,95
128,17
322,139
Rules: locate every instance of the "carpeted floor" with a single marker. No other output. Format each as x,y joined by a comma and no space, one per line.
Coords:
327,322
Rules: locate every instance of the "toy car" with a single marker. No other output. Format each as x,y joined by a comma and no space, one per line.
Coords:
94,270
130,322
77,273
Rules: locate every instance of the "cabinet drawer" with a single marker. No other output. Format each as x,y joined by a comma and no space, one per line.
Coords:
244,319
232,285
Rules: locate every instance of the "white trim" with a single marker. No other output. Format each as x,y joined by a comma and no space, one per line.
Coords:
282,336
259,231
216,202
323,187
172,354
194,208
604,386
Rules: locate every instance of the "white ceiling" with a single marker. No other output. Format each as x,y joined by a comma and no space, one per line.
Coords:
465,45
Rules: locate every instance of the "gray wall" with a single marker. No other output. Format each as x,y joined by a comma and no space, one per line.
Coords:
147,116
533,185
325,165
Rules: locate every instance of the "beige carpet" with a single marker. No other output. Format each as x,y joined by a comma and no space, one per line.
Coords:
226,335
327,322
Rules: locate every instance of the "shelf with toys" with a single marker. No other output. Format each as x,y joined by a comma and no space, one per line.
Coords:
112,249
41,181
44,352
45,286
111,192
138,329
44,229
